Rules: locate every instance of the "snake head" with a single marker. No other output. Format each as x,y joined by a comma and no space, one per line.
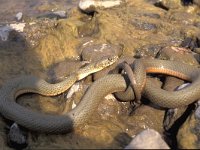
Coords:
96,66
105,62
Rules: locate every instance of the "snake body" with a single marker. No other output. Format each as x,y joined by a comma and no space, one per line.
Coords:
30,84
94,95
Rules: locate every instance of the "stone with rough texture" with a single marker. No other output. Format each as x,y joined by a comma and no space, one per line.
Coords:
98,51
148,139
188,134
92,5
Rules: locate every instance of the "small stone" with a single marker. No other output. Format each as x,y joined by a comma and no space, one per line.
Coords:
73,89
98,51
18,26
91,5
143,25
54,15
168,4
182,86
147,139
61,14
148,50
4,32
16,137
19,16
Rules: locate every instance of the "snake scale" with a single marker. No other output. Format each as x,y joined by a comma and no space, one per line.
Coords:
96,92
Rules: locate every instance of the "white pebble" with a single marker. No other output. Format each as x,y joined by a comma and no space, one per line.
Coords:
19,16
73,89
18,26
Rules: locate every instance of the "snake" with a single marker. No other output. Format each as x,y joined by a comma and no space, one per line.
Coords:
11,110
112,83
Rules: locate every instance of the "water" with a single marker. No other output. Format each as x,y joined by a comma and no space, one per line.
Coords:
32,8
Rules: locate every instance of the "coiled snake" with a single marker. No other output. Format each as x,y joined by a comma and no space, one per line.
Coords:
97,91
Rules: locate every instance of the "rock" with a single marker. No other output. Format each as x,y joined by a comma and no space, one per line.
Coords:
147,139
18,26
92,5
189,133
19,16
148,51
189,43
16,137
61,14
97,51
105,132
73,89
168,4
178,54
144,117
55,14
143,25
4,32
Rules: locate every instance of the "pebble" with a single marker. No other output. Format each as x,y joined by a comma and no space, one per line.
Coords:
147,139
18,26
61,14
16,138
73,89
182,86
4,32
148,50
54,15
91,5
19,16
143,25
